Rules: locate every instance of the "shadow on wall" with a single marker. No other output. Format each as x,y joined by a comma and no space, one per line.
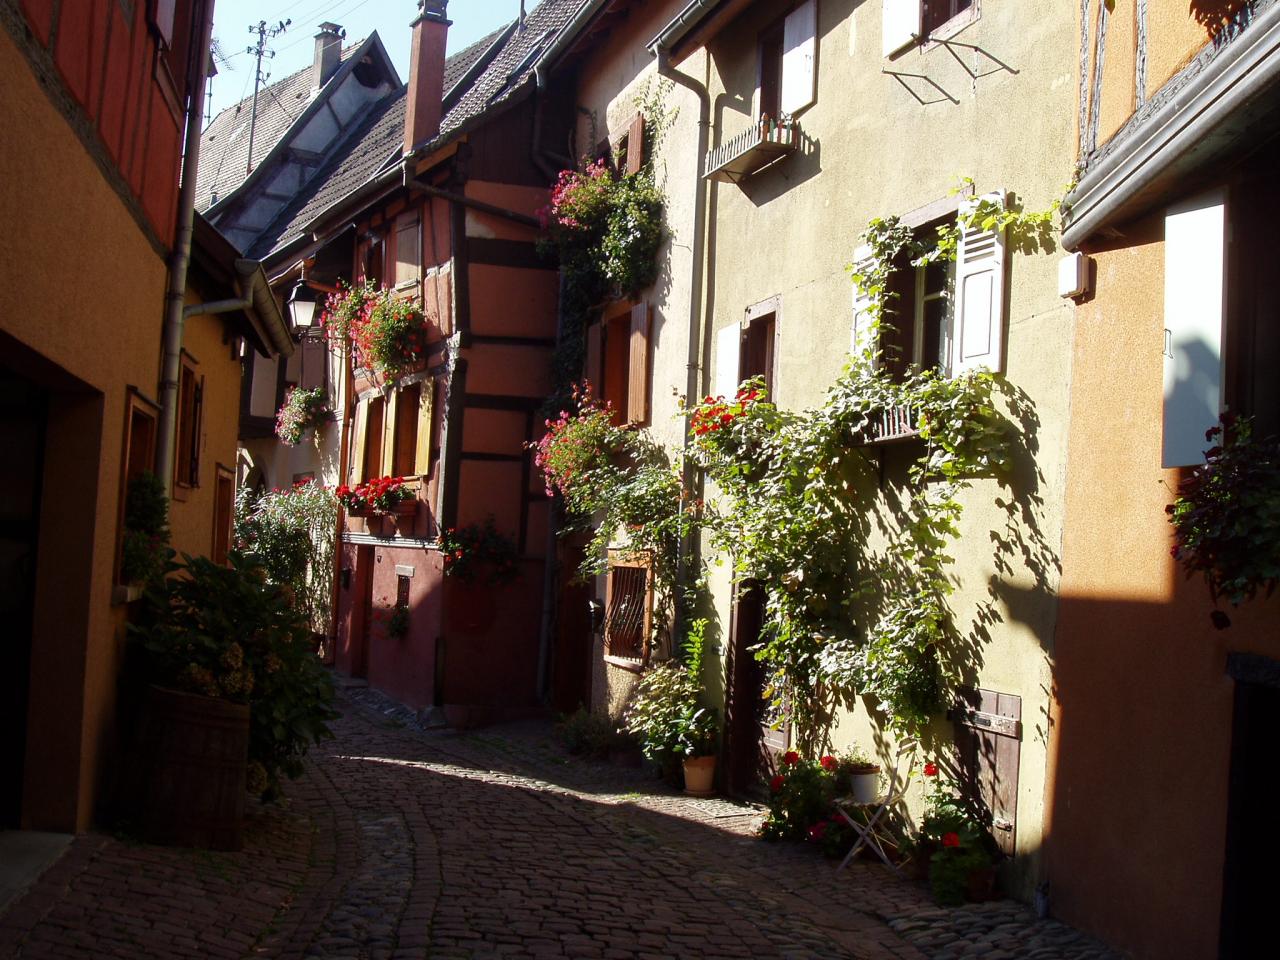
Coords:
1222,17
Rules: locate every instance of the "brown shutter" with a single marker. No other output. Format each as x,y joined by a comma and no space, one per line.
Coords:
635,145
408,248
197,428
355,469
426,409
389,411
988,737
594,371
638,372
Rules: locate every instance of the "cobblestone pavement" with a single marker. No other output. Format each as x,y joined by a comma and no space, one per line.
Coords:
401,843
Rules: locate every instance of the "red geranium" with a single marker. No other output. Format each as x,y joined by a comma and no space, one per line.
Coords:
791,758
829,763
776,783
951,839
930,769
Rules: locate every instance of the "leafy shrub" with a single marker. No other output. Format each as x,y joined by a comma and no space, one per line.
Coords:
955,836
301,410
392,334
665,717
145,548
1226,518
230,633
587,734
291,533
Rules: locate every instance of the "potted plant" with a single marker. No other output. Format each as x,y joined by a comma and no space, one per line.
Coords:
235,696
390,334
863,774
301,411
671,727
956,843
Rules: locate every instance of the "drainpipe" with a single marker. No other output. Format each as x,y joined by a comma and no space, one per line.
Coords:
689,548
180,258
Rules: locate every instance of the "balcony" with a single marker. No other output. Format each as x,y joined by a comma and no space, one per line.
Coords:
762,144
892,424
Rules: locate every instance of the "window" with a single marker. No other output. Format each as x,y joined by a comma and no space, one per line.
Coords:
223,505
944,316
141,429
628,609
909,22
186,464
618,361
748,349
630,151
788,76
404,436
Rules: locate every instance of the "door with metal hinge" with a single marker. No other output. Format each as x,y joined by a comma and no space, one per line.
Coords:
989,741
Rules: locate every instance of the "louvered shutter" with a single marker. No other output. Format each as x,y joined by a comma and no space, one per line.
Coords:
635,144
979,309
426,411
638,365
728,349
799,58
1194,237
902,24
863,338
355,469
595,356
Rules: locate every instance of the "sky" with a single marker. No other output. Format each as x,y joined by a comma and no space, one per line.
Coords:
472,19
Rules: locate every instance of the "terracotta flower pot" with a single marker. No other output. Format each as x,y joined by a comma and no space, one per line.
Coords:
699,773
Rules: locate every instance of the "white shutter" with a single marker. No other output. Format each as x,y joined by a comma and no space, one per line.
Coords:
902,24
1194,240
799,50
863,339
728,347
978,340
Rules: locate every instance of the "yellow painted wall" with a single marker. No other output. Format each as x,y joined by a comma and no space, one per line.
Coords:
86,292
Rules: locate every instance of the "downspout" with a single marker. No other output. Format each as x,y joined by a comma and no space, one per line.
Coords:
180,258
688,548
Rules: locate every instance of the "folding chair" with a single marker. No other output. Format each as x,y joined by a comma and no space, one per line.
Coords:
874,833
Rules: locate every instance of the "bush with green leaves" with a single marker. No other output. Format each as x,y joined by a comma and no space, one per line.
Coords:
1226,518
228,632
145,547
291,533
665,716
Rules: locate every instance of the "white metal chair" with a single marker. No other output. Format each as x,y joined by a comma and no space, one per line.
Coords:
874,832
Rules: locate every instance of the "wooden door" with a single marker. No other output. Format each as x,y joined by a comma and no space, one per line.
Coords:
363,626
752,746
989,740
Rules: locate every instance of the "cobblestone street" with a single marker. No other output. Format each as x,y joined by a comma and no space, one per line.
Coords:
403,843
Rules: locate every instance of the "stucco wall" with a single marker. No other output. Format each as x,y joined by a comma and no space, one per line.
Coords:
874,150
1143,712
97,318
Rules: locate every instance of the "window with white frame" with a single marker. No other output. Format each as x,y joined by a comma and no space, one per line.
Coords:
910,22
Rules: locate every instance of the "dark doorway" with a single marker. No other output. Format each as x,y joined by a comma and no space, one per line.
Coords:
363,625
23,419
1247,895
752,746
571,660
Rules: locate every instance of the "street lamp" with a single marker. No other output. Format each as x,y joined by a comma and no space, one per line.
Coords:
302,306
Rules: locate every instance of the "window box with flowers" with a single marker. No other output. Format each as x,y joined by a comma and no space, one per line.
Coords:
478,559
301,411
389,333
383,495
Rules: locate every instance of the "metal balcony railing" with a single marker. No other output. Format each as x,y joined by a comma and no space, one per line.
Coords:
761,144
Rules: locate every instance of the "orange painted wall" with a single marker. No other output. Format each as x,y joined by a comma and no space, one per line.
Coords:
1143,706
98,319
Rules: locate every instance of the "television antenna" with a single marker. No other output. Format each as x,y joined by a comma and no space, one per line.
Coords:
260,50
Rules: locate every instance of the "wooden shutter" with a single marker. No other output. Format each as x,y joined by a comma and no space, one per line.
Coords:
728,352
638,370
635,145
162,16
1194,239
989,740
902,24
595,357
389,411
863,338
355,470
197,428
799,58
426,411
315,361
408,249
979,311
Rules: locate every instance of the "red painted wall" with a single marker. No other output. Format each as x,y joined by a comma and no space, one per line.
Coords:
107,64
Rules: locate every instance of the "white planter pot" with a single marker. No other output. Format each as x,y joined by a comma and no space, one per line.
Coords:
866,786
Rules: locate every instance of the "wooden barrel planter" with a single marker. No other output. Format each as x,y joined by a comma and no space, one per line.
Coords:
196,751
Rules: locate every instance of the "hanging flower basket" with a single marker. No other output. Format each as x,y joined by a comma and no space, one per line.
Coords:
302,410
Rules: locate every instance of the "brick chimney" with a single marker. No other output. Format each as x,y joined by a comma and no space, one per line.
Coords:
426,73
328,54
